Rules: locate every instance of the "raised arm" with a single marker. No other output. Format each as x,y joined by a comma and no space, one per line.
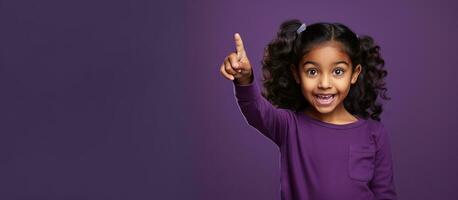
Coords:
258,112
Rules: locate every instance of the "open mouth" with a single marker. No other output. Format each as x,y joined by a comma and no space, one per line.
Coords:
325,99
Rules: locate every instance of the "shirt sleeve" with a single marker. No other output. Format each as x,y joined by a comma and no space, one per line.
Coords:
382,185
270,121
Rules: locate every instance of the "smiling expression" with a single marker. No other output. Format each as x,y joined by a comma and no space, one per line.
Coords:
326,70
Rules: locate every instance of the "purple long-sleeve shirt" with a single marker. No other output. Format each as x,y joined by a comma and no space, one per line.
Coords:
320,160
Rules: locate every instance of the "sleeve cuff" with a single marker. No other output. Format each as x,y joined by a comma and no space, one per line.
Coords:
250,91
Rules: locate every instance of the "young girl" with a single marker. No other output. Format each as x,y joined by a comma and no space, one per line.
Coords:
324,81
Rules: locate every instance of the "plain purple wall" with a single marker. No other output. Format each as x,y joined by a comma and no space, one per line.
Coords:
123,99
92,100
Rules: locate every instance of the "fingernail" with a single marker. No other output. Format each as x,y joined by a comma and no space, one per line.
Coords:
232,78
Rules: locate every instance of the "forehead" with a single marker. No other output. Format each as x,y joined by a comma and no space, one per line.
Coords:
326,53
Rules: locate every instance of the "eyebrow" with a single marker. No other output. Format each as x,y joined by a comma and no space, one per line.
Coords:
338,62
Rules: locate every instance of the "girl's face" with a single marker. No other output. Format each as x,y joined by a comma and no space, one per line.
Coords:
325,76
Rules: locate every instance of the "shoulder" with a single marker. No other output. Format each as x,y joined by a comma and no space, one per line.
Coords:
376,125
287,113
379,133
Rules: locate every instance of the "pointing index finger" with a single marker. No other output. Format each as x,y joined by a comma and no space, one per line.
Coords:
239,45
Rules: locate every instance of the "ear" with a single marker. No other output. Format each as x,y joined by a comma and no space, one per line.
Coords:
355,74
294,72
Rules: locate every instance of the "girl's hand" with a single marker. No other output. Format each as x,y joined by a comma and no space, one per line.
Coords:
236,65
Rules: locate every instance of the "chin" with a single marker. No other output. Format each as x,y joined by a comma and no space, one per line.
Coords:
326,110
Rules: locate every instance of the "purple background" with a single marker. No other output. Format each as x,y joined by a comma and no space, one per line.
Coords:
124,99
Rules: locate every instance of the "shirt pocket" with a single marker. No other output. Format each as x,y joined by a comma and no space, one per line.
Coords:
361,162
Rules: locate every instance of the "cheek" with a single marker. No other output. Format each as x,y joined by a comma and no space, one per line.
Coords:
308,85
343,85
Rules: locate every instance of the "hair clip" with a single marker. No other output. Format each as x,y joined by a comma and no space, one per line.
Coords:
301,28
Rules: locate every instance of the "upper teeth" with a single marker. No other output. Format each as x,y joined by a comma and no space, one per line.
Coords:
325,95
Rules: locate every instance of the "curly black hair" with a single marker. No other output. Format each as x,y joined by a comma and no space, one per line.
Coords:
287,49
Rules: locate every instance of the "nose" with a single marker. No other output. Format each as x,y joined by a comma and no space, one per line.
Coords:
324,82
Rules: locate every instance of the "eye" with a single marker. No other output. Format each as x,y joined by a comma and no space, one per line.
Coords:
340,70
311,70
